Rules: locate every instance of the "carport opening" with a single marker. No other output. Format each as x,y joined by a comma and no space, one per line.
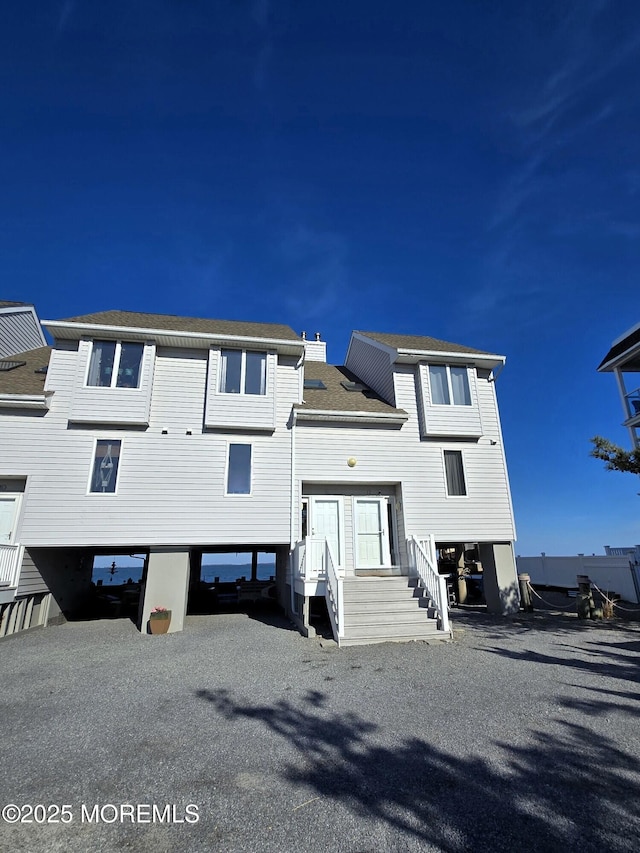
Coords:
460,562
232,580
116,581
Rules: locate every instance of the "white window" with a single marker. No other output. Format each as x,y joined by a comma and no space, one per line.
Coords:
243,372
454,473
449,385
105,466
239,469
115,364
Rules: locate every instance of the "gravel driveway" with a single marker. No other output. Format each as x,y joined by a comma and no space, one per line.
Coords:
521,734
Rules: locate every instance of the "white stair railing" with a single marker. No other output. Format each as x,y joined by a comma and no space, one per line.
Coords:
422,553
10,562
333,594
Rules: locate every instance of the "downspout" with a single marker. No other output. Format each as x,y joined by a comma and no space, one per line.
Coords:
293,512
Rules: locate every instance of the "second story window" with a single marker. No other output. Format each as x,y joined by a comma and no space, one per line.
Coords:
243,372
105,466
449,385
115,364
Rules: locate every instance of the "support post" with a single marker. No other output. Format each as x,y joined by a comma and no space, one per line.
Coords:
167,585
525,593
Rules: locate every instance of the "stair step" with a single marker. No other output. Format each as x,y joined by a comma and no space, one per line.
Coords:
415,629
397,606
386,617
440,636
382,596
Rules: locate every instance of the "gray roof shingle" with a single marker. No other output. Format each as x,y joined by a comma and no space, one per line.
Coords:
24,380
420,342
169,322
336,398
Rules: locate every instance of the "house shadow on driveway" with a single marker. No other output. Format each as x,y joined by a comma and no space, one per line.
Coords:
573,790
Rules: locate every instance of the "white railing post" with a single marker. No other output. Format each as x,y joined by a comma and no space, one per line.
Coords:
333,594
10,562
424,559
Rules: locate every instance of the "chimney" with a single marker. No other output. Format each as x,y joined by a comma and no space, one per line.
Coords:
314,350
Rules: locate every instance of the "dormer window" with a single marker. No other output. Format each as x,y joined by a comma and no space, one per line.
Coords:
243,372
115,364
449,385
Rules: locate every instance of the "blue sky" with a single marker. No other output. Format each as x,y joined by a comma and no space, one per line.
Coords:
467,170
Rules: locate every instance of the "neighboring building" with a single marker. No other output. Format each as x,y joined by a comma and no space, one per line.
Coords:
20,328
623,359
175,437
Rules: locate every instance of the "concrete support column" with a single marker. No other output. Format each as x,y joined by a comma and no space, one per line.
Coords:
167,586
500,578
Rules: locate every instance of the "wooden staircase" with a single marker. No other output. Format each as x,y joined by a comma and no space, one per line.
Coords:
388,609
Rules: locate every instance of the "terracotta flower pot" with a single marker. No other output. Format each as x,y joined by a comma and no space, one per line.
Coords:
159,621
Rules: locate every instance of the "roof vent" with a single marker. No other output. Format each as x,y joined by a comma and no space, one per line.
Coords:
353,386
10,365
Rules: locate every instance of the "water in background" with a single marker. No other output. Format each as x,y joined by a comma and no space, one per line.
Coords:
226,572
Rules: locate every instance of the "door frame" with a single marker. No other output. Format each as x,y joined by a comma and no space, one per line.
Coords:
17,498
339,499
384,503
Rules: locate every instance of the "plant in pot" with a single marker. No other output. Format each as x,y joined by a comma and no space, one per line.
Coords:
159,620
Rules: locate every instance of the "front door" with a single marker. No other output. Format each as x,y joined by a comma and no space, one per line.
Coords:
372,533
326,520
8,517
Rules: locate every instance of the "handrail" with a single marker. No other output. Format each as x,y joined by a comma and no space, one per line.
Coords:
10,562
424,560
333,594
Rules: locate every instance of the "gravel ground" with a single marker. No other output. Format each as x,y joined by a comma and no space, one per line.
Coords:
521,734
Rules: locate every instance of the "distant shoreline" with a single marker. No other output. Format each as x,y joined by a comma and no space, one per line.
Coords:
227,572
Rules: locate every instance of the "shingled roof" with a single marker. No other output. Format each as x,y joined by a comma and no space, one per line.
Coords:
420,343
23,379
630,340
336,398
5,304
198,325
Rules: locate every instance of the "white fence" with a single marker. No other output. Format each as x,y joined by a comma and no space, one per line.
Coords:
616,574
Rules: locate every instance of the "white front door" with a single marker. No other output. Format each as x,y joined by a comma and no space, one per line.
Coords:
372,533
326,520
8,517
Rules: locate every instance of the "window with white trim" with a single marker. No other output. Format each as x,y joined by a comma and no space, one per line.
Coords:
243,372
239,469
105,466
454,473
115,364
449,385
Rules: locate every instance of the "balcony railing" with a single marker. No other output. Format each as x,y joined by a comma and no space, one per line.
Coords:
10,562
633,403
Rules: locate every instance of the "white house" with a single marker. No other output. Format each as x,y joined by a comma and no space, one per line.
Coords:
623,359
172,437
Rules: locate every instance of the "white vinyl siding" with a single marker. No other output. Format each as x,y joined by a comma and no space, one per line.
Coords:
400,456
171,487
373,366
111,405
31,581
241,409
449,403
19,331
